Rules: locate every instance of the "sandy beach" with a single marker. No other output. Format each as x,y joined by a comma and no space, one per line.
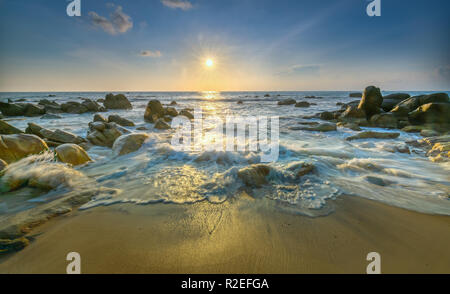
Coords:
241,236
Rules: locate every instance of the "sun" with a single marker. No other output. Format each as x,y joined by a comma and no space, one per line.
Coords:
209,62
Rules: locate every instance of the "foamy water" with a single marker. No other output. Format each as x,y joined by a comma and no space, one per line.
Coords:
159,173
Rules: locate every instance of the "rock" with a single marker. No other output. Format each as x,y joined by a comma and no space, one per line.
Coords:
120,120
161,125
402,149
302,104
186,113
412,129
93,106
141,129
50,116
356,95
254,175
384,120
406,106
7,129
288,101
353,114
438,113
34,129
171,111
301,168
173,103
324,127
119,101
167,119
3,165
429,133
11,109
7,245
154,111
17,146
374,135
326,115
240,102
371,101
34,110
129,143
45,102
351,126
100,118
266,95
434,98
61,136
72,154
391,100
101,100
74,107
104,137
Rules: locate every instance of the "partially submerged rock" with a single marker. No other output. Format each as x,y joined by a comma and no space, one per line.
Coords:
302,104
154,111
120,120
373,135
171,111
74,107
17,146
129,143
288,101
254,175
72,154
356,95
186,113
33,110
7,129
118,101
438,113
103,134
161,124
12,109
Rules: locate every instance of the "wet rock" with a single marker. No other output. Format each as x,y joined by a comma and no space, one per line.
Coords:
34,129
12,109
355,95
118,101
254,175
34,110
93,106
390,101
105,135
7,129
326,115
99,118
161,125
61,136
351,126
173,103
438,113
7,245
45,102
428,133
371,101
266,95
50,116
74,107
384,120
171,111
129,143
406,106
323,127
17,146
186,113
154,111
353,114
302,104
301,168
72,154
120,120
373,135
240,102
3,165
288,101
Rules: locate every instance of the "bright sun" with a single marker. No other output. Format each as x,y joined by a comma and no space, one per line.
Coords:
209,62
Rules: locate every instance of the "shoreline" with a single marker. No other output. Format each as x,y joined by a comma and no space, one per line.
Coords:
239,236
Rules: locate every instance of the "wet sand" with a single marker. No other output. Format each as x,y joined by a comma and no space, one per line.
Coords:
242,235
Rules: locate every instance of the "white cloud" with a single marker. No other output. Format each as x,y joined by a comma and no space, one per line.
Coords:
181,4
149,53
118,22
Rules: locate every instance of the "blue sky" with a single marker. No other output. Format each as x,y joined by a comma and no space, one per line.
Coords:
162,45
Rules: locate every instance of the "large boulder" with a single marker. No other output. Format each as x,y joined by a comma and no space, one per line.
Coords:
74,107
390,101
154,111
384,120
72,154
93,106
12,109
438,113
118,101
255,175
7,129
371,101
288,101
34,110
406,106
17,146
129,143
120,120
103,134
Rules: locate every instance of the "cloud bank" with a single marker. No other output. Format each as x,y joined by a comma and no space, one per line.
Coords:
181,4
118,22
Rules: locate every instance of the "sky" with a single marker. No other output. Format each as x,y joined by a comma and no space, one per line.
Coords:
255,45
